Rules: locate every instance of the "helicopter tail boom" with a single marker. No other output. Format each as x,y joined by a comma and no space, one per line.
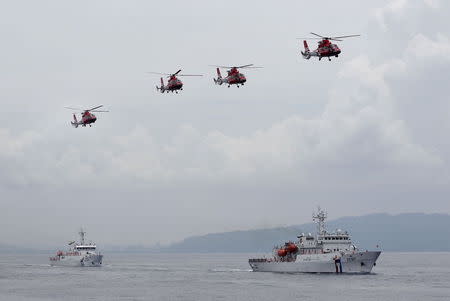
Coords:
307,53
162,86
75,121
218,81
218,73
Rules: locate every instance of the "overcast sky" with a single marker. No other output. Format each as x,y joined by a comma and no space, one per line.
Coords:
367,132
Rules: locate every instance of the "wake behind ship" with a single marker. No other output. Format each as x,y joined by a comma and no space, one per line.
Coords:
327,252
80,254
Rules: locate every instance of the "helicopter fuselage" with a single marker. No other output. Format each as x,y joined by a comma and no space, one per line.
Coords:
234,77
174,84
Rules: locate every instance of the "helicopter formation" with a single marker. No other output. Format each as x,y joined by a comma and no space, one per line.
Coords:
234,77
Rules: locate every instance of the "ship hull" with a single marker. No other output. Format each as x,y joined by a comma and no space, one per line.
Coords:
354,263
78,261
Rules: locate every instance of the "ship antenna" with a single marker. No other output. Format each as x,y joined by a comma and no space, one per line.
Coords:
320,217
82,233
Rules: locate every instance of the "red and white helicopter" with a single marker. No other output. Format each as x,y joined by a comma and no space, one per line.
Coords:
87,118
234,77
325,47
173,84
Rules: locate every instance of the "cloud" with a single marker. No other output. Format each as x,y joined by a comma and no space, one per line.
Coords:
394,12
393,8
15,145
422,47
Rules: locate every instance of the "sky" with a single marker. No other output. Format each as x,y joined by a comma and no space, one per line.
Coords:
364,133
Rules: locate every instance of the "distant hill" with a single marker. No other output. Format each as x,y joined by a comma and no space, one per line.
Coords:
403,232
408,232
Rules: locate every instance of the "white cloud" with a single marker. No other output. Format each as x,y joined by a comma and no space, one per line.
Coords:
393,8
15,145
433,3
401,10
423,47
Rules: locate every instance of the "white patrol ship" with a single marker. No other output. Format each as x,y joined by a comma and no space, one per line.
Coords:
324,253
82,255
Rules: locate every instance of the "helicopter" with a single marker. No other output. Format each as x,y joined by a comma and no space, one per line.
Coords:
87,118
173,84
325,47
234,77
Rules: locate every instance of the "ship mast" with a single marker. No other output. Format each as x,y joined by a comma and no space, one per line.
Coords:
82,233
320,217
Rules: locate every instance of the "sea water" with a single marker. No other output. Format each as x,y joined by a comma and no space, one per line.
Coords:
397,276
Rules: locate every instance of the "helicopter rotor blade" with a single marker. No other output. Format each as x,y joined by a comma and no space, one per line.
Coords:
309,38
190,75
244,66
343,37
249,66
76,109
225,67
159,73
95,108
318,35
98,111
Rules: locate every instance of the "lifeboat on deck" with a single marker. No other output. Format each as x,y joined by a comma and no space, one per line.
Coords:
282,252
291,248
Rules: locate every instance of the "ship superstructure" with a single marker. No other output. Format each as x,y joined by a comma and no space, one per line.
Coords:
80,254
325,252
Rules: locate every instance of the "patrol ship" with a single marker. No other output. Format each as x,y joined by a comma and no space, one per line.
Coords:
80,254
326,252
